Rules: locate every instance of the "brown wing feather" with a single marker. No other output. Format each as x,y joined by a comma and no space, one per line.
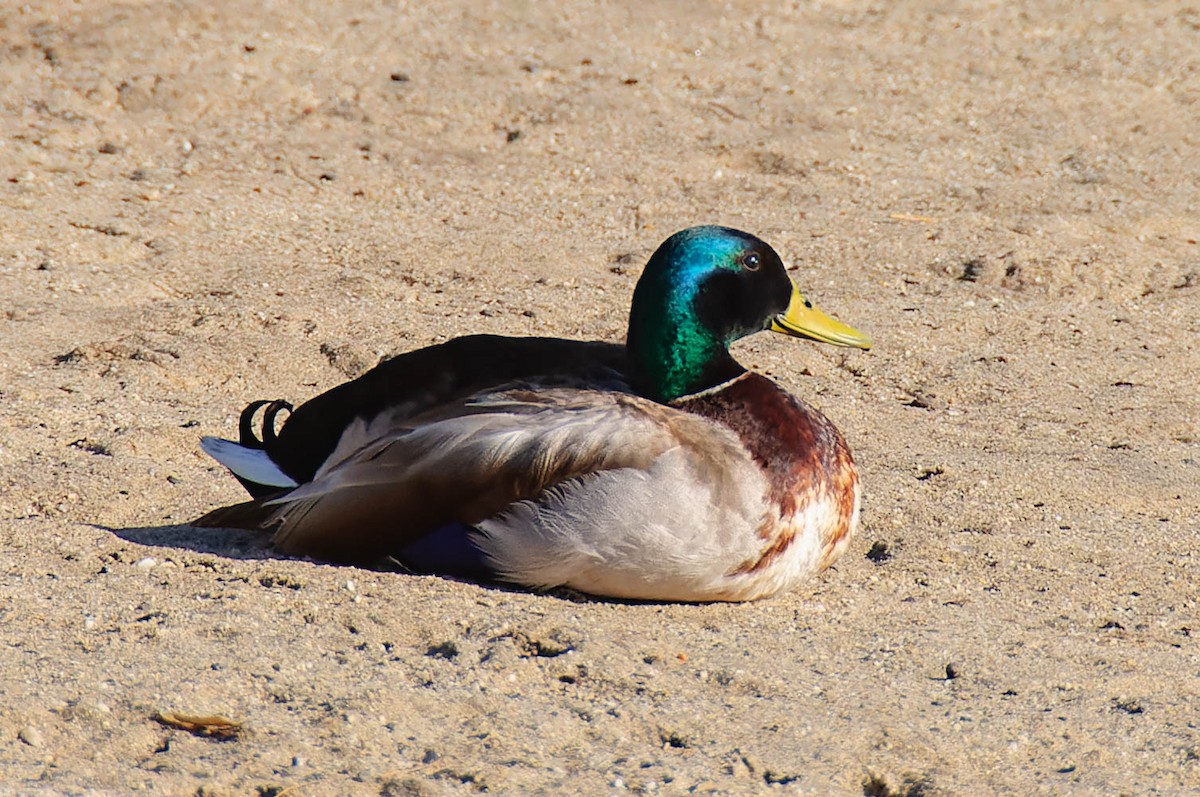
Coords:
389,481
246,515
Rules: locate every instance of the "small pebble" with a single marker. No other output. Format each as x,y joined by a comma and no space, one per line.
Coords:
146,564
31,736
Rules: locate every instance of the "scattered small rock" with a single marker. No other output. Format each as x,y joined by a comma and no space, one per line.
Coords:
674,739
920,402
212,791
99,449
31,736
280,581
1128,706
773,778
879,552
971,269
876,786
541,648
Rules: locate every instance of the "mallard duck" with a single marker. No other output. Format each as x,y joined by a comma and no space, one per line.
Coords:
657,470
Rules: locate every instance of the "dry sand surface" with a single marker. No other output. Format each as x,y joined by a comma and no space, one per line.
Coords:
208,203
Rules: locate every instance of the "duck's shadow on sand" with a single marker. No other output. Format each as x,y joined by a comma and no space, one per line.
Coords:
252,545
228,543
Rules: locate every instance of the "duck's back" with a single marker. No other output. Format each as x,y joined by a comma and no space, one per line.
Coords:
413,383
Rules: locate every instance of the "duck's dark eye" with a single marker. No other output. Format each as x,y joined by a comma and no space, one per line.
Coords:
751,261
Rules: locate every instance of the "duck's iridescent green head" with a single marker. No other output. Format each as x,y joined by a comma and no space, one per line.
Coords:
703,289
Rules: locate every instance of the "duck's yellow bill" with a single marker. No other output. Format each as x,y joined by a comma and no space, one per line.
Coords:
802,320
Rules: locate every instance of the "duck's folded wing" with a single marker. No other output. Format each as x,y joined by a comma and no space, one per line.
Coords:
386,486
415,382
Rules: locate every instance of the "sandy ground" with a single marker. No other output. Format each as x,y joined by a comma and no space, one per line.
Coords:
208,203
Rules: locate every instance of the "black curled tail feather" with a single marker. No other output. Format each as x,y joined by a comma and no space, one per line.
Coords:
247,438
246,434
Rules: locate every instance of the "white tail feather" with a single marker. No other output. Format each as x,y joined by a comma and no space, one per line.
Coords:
251,464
